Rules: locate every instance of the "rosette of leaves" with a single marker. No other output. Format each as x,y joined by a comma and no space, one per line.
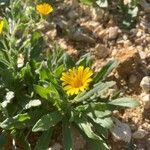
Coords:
40,104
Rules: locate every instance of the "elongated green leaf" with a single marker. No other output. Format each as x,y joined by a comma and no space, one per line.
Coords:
68,61
37,45
42,91
47,92
97,145
101,118
99,114
3,139
23,141
100,87
105,71
67,139
47,121
87,2
105,122
102,3
101,131
18,121
92,137
85,60
125,102
59,71
44,140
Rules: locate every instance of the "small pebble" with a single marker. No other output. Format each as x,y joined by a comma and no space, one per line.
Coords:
101,51
146,101
132,79
139,134
145,84
113,33
121,131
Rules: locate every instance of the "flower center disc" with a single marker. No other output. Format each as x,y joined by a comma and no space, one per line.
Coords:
78,83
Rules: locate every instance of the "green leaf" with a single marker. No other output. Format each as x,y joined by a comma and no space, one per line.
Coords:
45,73
27,74
68,61
47,121
99,114
105,71
87,2
44,140
105,122
42,91
99,87
101,131
50,93
67,139
125,102
23,141
3,139
37,45
17,122
102,3
85,60
91,136
59,71
97,145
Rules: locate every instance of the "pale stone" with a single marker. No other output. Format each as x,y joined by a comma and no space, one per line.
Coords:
145,84
113,33
139,134
101,51
132,79
121,131
146,101
145,5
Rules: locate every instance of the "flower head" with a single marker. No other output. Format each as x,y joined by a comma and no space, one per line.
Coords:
76,80
1,26
44,8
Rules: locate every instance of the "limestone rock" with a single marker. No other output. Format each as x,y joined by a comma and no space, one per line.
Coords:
129,60
132,79
101,51
121,131
145,84
80,36
113,33
146,101
139,134
145,5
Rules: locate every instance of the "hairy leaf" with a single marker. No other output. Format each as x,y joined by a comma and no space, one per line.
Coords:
47,121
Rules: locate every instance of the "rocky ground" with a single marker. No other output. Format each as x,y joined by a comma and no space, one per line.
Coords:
80,29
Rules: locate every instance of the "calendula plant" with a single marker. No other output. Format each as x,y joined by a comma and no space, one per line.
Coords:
39,91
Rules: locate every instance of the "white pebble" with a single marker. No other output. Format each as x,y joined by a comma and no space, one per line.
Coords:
145,84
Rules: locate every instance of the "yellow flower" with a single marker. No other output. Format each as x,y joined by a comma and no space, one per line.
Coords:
44,8
1,26
76,80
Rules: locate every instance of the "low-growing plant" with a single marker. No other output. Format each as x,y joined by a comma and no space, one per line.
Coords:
39,91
